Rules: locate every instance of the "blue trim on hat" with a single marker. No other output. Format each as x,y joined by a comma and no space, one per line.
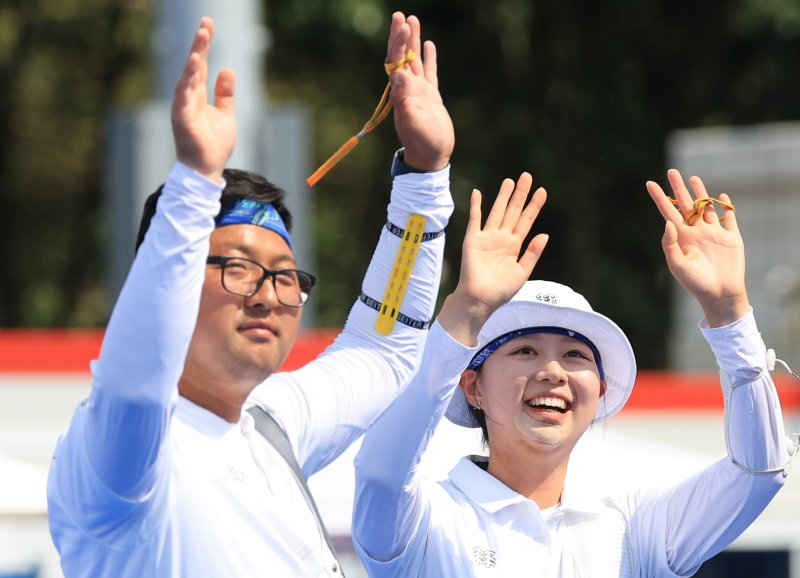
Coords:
250,212
495,344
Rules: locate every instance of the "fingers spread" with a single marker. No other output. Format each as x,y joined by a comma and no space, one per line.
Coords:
474,221
531,212
669,243
517,201
195,71
663,203
498,210
533,252
399,35
429,64
685,200
202,45
225,89
698,187
190,76
729,223
415,44
402,87
709,214
207,23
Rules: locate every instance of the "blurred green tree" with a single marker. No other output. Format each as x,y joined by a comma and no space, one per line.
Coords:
63,63
581,94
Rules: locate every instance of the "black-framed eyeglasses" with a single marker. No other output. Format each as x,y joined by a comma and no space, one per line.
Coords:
244,277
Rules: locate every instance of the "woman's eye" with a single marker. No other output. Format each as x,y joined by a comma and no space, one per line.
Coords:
526,351
577,353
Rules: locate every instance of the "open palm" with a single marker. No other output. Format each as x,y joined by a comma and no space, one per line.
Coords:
204,133
492,270
707,257
420,117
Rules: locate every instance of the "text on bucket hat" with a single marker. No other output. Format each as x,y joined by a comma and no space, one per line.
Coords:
548,306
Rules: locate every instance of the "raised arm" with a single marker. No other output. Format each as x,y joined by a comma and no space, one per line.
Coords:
125,421
326,405
702,515
491,273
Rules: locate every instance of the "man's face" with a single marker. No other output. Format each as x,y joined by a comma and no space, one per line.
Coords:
239,341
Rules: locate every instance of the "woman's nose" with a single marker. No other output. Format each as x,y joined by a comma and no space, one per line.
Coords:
552,372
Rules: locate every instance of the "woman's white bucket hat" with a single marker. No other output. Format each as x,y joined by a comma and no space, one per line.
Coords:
552,305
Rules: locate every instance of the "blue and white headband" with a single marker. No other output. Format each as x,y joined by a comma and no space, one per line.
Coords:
495,344
250,212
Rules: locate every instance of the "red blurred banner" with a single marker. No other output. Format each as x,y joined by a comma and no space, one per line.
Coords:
70,351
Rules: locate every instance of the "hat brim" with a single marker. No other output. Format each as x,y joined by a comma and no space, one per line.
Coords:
619,363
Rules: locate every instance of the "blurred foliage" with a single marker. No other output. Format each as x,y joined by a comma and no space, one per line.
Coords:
62,65
581,94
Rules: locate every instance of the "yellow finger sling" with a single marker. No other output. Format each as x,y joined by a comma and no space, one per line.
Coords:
381,112
700,205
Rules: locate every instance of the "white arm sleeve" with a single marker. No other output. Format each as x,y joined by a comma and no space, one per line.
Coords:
754,429
116,436
330,402
704,514
388,505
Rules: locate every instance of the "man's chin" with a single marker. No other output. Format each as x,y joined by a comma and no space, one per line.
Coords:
264,359
262,366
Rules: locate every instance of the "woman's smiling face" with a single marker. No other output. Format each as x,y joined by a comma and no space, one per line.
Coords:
540,388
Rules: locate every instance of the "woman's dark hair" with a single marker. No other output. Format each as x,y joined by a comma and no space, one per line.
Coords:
480,417
239,184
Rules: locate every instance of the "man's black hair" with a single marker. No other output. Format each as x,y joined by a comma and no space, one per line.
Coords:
239,184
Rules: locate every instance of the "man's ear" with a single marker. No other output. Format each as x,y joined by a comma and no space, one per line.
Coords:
469,384
603,387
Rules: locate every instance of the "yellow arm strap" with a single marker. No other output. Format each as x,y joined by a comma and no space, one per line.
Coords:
401,274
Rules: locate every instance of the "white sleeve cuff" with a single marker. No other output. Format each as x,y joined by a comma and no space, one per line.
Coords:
427,194
186,180
738,347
